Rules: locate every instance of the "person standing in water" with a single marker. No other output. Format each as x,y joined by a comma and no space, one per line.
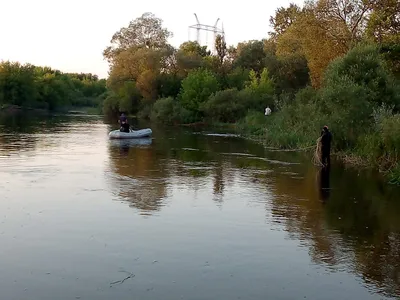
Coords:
326,139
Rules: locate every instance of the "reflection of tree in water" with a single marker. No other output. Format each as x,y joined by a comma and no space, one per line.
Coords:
356,228
343,218
143,173
23,132
219,185
139,176
144,194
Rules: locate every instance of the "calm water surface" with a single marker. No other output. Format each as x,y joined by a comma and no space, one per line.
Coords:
185,215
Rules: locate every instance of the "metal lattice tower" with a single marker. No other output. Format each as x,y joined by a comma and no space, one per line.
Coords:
207,28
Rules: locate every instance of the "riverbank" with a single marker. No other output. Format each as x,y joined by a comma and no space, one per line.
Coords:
261,131
8,108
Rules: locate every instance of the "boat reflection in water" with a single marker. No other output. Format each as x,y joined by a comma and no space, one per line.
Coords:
137,174
127,143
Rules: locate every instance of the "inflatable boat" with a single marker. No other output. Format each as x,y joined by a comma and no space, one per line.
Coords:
133,134
131,143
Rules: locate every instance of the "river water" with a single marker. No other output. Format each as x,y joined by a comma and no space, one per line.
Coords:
188,214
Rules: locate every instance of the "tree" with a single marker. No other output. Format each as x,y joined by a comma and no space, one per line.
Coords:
308,37
143,32
250,55
196,88
141,65
231,54
190,56
194,48
354,85
283,19
262,83
384,22
323,31
17,83
220,45
343,20
291,73
237,78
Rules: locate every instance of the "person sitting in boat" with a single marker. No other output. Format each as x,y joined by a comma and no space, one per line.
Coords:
123,120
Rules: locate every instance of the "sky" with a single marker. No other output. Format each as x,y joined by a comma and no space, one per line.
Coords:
71,35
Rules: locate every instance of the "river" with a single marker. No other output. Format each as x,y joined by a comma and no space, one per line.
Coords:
189,214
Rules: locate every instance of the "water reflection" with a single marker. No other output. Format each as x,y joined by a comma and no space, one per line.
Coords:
355,230
347,220
324,183
138,175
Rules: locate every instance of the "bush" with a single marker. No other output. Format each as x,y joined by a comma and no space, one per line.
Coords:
363,66
296,125
254,123
225,106
394,175
290,127
237,78
380,145
169,111
196,88
348,112
145,110
354,86
307,95
111,104
258,92
163,110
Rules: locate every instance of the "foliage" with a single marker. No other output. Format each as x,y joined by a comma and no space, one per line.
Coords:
384,22
45,88
165,110
144,32
237,78
220,46
225,106
354,85
250,55
196,88
284,18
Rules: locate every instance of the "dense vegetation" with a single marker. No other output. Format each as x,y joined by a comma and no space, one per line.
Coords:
44,88
328,62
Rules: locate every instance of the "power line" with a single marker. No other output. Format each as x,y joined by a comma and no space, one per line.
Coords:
207,28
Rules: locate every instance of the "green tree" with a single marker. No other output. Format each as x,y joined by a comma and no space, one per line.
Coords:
354,86
143,32
220,45
250,55
283,19
237,78
17,83
194,48
384,22
196,88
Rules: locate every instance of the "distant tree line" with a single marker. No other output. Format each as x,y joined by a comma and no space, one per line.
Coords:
45,88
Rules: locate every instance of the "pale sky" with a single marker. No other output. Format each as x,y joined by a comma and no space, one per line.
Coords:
71,35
